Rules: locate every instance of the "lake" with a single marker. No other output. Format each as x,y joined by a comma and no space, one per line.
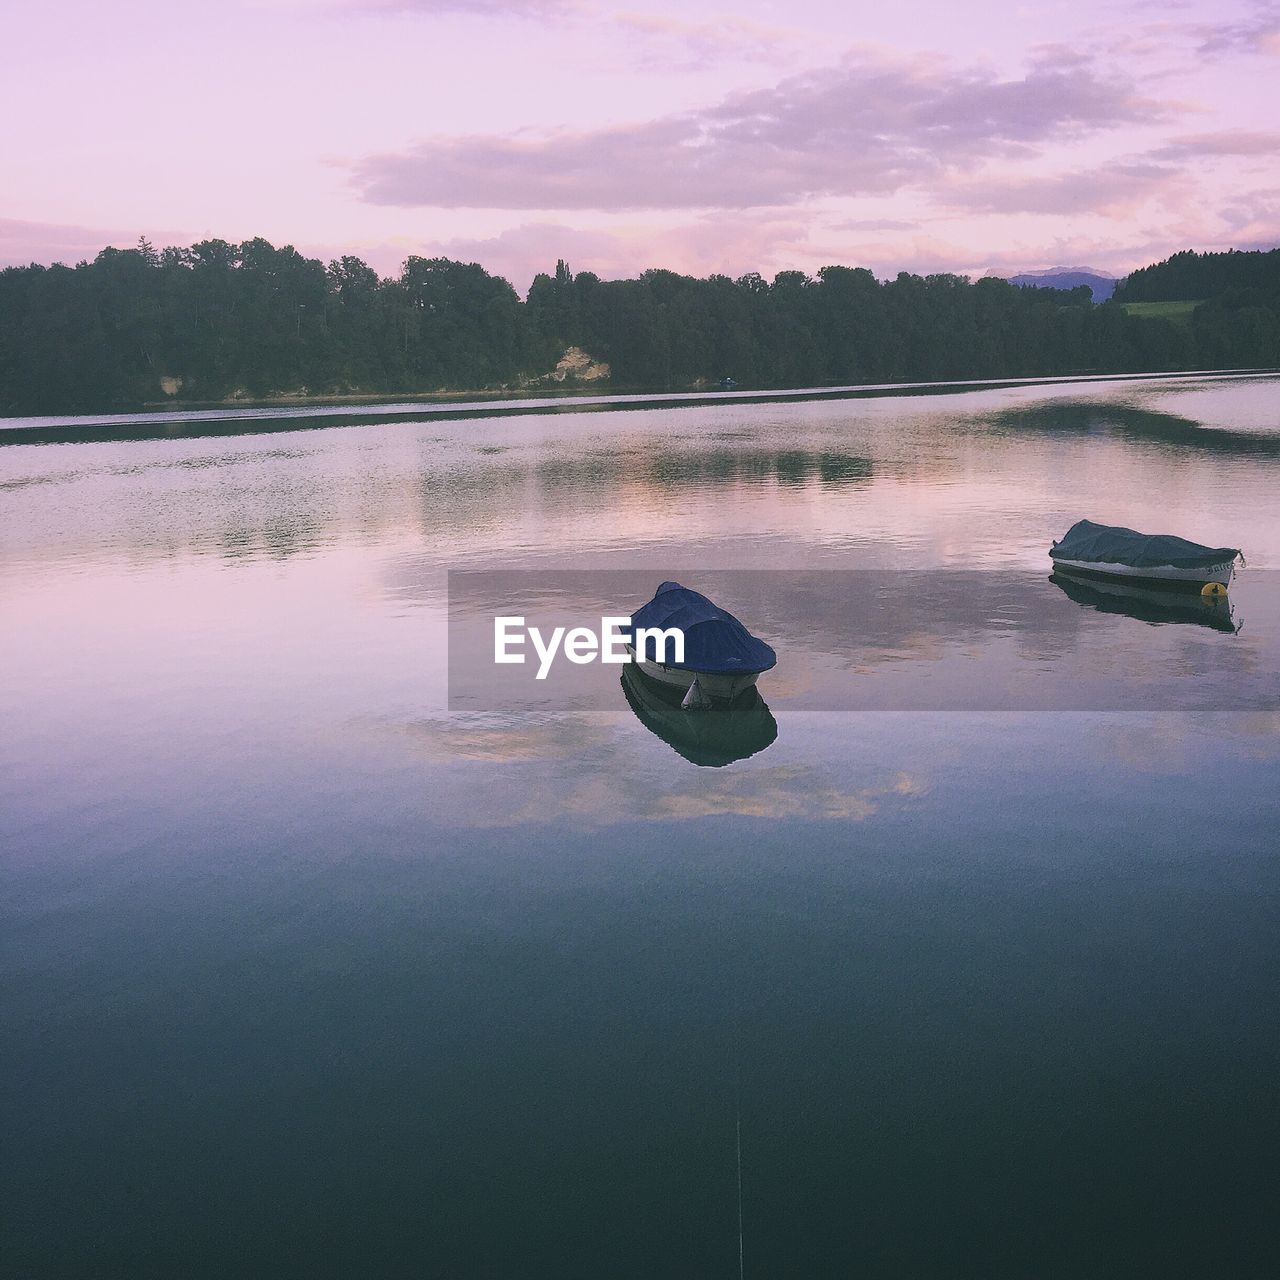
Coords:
959,953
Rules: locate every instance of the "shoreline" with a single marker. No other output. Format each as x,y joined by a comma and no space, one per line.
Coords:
579,391
223,418
370,397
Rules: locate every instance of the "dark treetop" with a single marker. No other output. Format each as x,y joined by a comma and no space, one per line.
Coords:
218,319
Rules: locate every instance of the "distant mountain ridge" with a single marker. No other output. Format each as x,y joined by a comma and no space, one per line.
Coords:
1101,284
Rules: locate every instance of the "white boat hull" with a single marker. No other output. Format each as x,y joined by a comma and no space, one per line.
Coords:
721,686
1166,574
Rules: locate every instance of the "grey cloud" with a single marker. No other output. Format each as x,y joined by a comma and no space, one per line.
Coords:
857,129
1252,34
1254,209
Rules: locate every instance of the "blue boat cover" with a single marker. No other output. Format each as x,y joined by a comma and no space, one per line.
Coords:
714,641
1110,544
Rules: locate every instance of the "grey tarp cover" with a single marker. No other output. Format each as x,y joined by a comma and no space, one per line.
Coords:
1110,544
714,641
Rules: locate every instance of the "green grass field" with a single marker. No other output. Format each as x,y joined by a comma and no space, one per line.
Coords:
1178,312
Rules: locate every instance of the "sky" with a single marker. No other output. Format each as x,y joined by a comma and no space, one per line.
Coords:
916,135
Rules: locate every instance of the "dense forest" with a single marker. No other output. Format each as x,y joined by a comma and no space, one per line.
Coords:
1191,276
216,320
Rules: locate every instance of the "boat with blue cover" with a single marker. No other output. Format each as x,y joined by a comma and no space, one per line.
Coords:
1115,554
721,657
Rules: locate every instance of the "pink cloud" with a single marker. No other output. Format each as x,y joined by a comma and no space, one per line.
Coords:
705,246
1226,142
437,8
23,242
1114,189
875,224
664,42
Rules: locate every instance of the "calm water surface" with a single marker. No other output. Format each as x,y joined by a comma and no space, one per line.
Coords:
305,974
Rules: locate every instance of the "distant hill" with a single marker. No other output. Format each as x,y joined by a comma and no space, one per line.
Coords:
1196,276
1102,286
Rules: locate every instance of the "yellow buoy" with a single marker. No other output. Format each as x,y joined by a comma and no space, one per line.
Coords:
1213,589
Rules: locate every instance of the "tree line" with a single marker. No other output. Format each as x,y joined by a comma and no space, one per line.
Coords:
216,319
1191,276
1237,319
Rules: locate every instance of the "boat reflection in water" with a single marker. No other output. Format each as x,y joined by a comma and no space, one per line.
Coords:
710,737
1148,604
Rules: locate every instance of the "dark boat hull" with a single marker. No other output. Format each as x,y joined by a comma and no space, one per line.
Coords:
1156,578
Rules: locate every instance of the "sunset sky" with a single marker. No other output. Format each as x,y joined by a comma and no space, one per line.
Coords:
909,135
